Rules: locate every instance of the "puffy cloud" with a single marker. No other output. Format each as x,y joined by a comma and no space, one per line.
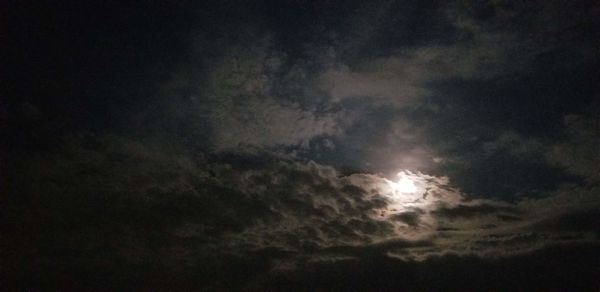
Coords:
348,216
138,201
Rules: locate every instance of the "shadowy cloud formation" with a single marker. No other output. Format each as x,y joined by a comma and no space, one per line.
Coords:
112,198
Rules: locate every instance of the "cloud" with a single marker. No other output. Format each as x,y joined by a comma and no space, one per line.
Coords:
393,88
580,153
138,200
372,214
251,96
409,218
268,123
297,209
471,211
506,42
269,151
515,144
404,78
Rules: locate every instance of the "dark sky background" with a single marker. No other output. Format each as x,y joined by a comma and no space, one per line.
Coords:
273,145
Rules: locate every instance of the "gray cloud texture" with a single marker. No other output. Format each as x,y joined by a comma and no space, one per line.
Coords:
296,210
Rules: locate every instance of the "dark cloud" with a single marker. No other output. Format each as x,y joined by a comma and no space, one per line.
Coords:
466,211
133,200
579,154
449,272
410,218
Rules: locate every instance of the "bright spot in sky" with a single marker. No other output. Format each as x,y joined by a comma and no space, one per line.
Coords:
405,185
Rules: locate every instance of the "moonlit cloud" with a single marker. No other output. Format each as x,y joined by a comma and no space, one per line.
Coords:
306,210
265,123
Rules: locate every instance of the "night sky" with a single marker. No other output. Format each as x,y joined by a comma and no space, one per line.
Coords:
300,145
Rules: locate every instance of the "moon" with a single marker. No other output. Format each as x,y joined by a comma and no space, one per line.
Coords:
405,185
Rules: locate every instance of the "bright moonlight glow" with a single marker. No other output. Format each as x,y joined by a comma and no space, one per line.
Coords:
405,185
